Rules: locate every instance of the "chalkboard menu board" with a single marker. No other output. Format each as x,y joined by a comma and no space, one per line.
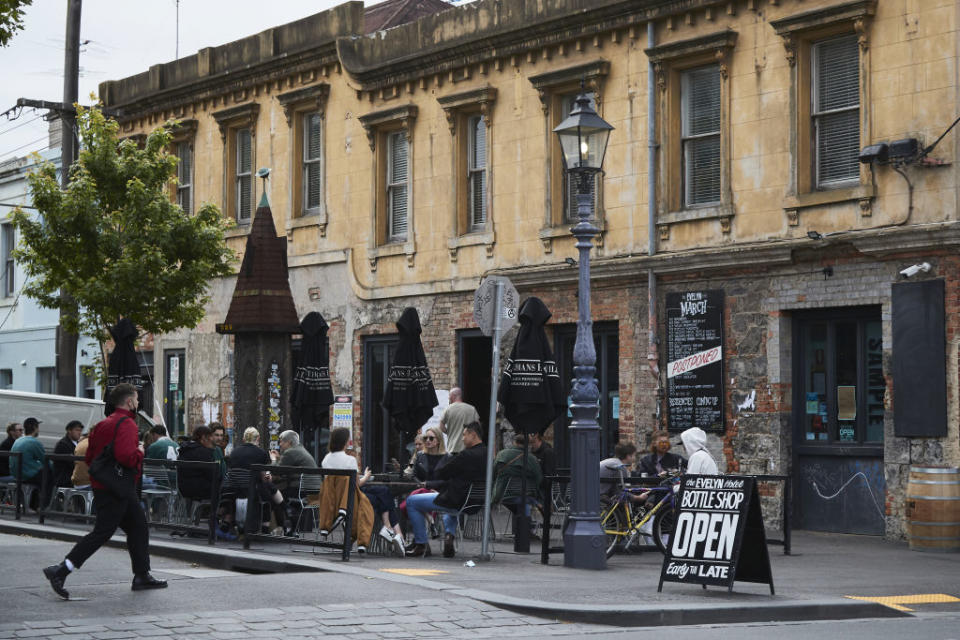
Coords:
718,536
695,360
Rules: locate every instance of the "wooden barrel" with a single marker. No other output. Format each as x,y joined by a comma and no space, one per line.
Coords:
933,509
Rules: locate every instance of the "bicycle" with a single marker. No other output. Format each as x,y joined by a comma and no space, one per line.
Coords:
623,520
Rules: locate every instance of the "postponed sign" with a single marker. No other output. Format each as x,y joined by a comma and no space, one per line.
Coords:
694,361
719,535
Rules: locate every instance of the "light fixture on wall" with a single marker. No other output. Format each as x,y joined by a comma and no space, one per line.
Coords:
814,235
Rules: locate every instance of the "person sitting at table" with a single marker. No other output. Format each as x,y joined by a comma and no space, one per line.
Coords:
243,457
459,473
197,483
614,472
424,466
509,470
333,492
660,460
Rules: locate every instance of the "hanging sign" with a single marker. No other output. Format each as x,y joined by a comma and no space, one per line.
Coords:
695,360
718,536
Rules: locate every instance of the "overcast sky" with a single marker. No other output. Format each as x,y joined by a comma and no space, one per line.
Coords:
123,37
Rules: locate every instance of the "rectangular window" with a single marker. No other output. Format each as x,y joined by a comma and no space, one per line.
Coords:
46,379
8,244
835,111
397,185
185,177
567,103
243,175
6,378
700,135
477,172
312,169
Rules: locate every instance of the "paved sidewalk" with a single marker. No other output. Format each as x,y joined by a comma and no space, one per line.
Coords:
450,617
811,584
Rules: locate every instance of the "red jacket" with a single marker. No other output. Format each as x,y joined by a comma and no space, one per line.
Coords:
126,448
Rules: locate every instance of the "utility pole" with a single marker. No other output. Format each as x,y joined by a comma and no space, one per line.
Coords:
66,341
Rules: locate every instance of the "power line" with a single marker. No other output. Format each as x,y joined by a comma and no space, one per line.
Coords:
23,146
22,124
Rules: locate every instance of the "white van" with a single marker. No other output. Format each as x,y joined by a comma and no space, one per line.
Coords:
53,412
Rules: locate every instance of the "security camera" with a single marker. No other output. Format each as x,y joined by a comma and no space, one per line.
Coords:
913,270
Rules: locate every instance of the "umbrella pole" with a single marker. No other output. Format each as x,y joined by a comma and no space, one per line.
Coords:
492,426
521,520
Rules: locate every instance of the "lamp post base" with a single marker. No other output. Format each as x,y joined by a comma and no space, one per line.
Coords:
584,544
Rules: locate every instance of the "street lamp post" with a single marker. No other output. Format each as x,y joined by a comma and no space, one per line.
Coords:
583,137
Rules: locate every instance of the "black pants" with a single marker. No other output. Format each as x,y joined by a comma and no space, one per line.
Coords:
115,511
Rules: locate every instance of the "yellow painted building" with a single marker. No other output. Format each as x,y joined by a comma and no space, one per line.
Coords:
409,162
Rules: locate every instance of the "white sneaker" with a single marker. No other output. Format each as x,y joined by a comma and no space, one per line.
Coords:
399,545
386,534
361,549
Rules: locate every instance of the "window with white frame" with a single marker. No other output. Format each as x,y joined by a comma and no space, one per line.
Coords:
243,177
312,158
567,103
700,135
8,241
835,111
477,172
185,176
46,379
397,185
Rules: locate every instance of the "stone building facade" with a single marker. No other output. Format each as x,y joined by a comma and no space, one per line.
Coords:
410,162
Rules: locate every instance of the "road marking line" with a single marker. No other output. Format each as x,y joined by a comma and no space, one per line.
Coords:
897,602
416,572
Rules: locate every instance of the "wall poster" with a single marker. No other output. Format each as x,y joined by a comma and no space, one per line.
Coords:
695,360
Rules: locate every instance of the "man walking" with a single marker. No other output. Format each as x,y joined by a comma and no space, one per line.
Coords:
114,509
455,417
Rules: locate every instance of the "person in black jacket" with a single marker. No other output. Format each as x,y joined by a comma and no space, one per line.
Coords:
460,472
196,483
66,445
660,459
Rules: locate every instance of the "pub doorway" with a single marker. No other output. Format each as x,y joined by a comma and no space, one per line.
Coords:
475,367
838,409
381,442
606,342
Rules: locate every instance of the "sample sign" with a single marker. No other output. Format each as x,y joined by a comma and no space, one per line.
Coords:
343,413
695,360
718,536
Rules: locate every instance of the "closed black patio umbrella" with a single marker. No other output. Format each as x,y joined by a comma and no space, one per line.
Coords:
122,364
530,393
312,394
409,396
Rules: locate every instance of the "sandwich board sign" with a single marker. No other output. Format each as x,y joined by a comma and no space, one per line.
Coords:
718,536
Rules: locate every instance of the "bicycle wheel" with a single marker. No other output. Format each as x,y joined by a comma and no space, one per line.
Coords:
663,523
616,525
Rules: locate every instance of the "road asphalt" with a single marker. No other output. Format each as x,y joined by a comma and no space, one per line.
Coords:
826,577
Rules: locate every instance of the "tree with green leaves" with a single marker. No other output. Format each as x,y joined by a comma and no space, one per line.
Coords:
11,18
115,241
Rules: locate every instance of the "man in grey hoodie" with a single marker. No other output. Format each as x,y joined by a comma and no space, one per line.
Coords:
699,460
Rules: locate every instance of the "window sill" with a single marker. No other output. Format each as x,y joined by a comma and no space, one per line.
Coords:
472,239
549,234
238,231
863,194
316,219
722,212
391,249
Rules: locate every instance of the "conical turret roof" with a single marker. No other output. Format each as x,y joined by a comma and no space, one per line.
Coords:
262,301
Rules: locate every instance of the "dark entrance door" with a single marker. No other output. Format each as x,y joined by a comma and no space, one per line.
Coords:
381,442
175,375
475,367
606,341
838,421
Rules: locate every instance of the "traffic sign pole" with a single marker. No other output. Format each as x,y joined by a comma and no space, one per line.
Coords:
492,426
